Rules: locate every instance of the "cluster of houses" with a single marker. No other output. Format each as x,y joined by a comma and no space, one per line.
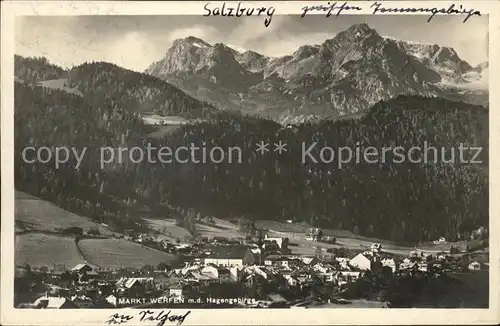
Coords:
218,268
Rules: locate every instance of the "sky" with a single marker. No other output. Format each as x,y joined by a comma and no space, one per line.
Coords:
134,42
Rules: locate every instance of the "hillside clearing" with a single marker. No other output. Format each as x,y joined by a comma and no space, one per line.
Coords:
38,249
217,231
33,213
168,229
296,233
225,224
118,253
59,84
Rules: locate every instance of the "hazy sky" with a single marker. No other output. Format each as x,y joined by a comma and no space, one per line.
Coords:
134,42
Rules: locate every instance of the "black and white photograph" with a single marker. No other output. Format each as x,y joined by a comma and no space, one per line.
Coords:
293,161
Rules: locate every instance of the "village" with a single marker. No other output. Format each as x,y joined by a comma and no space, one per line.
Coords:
258,271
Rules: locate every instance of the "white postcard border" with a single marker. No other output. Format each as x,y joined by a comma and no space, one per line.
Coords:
11,316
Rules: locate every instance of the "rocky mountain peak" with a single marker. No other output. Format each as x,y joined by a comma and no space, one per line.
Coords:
221,54
362,29
306,51
252,61
345,74
358,33
222,49
193,41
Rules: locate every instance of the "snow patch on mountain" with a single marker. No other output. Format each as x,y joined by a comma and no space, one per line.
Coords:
199,45
237,48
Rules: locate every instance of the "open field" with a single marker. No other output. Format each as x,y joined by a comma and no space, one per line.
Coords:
39,249
150,118
33,213
218,231
226,224
59,84
117,253
167,229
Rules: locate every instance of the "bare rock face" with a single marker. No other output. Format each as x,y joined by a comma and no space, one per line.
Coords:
344,75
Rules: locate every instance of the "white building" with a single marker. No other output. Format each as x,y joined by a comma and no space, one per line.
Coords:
346,277
319,267
407,265
441,256
224,262
440,241
376,247
279,241
343,262
274,260
389,262
292,281
111,299
176,291
422,267
361,262
475,266
82,301
210,271
309,260
352,274
262,271
47,302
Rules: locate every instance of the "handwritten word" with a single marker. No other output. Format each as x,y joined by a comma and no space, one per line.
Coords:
118,319
330,8
240,11
377,7
161,317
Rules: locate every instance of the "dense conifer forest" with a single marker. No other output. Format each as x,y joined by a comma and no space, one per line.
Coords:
407,202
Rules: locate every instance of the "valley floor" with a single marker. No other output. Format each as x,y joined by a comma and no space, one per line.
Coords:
37,221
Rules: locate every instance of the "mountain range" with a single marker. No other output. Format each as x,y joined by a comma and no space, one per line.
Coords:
344,75
97,104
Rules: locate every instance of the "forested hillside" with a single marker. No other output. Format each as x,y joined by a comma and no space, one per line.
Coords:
33,70
398,201
52,118
101,82
135,91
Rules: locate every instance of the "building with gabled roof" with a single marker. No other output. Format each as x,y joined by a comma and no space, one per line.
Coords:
389,262
233,255
314,234
47,302
85,267
282,243
361,262
82,301
134,286
309,260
